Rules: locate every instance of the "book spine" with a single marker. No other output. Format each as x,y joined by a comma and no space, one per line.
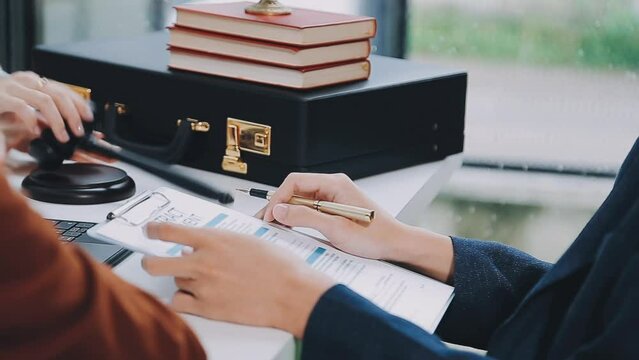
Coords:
292,47
199,52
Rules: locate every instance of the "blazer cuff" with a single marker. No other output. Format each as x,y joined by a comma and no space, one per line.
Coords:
326,333
490,280
344,325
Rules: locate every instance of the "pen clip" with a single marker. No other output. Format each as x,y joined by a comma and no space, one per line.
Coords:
120,212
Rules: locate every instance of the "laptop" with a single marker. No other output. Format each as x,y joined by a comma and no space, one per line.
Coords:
75,233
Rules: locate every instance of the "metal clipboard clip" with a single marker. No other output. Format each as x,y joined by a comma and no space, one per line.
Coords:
156,201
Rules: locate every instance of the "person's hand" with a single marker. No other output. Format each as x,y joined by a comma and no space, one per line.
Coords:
29,103
238,278
375,240
384,238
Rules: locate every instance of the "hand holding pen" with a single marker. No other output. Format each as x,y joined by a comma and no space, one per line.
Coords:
368,239
384,238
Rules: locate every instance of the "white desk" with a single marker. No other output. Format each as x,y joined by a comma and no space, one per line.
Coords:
404,193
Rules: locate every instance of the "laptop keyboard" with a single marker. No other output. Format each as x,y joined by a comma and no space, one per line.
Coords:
76,232
69,231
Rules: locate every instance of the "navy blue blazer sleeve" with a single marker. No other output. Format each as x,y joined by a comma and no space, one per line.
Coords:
344,325
490,280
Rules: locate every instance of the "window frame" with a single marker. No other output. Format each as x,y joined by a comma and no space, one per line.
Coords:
17,34
4,33
392,26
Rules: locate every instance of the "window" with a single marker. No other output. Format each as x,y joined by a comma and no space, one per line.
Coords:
553,82
553,86
60,21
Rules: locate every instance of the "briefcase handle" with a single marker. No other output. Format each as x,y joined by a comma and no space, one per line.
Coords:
171,153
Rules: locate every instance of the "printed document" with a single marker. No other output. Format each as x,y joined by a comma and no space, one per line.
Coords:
401,292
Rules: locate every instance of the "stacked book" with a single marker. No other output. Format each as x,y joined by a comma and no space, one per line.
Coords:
306,49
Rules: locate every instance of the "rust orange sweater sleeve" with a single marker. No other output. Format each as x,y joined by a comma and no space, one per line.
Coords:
55,302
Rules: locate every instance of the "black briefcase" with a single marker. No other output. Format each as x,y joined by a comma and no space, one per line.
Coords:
406,113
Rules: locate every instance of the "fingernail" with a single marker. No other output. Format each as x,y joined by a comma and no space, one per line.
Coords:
65,137
280,211
37,131
80,130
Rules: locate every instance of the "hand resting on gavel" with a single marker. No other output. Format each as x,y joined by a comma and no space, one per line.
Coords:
29,104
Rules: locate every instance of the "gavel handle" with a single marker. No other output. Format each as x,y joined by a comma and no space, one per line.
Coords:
157,168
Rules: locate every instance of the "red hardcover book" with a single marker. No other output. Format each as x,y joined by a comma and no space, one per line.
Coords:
266,52
302,27
301,78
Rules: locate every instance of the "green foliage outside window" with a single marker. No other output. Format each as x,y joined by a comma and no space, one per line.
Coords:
608,41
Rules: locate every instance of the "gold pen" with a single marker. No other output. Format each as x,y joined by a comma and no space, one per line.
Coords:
327,207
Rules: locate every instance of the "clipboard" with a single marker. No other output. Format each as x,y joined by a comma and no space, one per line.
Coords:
148,196
125,225
404,293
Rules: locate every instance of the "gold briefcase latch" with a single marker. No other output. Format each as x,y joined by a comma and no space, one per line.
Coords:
244,136
196,125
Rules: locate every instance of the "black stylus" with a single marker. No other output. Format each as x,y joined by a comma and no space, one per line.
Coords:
162,170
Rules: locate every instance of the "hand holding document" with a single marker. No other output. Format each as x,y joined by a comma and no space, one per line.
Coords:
414,297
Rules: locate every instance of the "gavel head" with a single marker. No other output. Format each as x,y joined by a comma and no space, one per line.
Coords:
50,153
